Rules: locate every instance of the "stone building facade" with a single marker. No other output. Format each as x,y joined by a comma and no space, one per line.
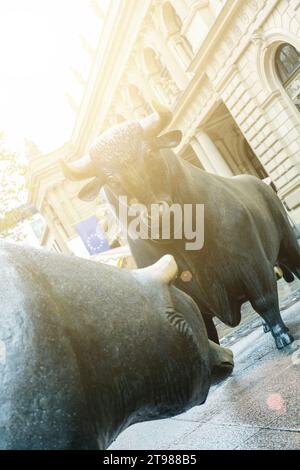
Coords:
229,70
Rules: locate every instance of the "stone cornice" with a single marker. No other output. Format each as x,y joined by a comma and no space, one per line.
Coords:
217,33
44,169
204,55
209,43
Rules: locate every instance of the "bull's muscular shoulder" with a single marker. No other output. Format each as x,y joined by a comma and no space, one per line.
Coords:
249,179
254,182
258,199
239,200
253,185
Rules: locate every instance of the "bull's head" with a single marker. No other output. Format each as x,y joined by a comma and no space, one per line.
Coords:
127,158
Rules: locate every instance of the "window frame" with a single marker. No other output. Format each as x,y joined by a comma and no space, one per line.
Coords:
294,74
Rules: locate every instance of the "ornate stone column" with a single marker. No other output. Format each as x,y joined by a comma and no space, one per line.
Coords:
204,160
214,159
55,228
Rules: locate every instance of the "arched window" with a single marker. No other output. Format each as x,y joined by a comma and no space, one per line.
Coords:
288,69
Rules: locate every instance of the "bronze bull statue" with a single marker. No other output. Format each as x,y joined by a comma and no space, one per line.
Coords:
86,349
246,229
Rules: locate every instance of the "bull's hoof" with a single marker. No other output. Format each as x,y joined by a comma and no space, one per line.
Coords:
227,362
221,362
221,358
283,339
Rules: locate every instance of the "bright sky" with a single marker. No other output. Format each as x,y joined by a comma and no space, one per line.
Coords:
40,41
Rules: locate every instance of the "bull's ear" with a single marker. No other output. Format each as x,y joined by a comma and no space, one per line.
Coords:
169,139
90,191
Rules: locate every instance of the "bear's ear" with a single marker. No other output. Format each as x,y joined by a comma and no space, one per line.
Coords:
90,191
169,139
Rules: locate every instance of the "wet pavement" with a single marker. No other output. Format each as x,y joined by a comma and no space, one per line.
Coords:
256,407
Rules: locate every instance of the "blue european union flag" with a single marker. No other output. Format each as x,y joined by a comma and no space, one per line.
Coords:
92,236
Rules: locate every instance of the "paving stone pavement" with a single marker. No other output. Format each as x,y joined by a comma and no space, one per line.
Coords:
256,407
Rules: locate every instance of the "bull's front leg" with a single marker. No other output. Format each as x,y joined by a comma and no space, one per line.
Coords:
278,329
211,328
265,303
265,326
280,272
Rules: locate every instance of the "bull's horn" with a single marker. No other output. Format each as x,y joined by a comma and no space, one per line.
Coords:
157,121
79,170
164,270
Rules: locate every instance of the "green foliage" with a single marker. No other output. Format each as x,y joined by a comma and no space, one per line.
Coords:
15,216
13,193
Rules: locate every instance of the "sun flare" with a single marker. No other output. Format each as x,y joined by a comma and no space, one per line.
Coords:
44,65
